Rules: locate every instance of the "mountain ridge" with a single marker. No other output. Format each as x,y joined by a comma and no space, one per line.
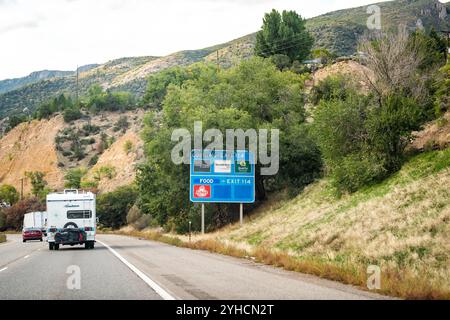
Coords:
337,31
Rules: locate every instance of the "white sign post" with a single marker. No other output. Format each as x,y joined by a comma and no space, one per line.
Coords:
242,214
203,218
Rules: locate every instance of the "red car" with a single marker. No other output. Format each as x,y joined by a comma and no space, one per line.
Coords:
32,234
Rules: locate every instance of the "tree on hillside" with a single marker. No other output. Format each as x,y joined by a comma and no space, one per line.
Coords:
113,207
38,183
15,120
324,55
159,83
284,34
397,62
106,100
252,95
73,178
8,194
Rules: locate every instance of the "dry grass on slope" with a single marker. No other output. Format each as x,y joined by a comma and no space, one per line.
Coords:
401,225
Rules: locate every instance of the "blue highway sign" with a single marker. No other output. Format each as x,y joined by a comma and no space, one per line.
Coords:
222,177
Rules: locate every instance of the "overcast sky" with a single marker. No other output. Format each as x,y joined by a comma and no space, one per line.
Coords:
61,34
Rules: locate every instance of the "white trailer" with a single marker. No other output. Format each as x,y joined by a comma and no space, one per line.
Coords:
72,219
37,220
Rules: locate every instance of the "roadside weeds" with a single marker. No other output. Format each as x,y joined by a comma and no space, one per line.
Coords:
400,283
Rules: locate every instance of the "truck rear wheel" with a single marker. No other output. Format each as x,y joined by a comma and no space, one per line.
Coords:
50,246
56,246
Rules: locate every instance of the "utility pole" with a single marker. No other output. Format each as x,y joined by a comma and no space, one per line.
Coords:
242,214
76,101
21,189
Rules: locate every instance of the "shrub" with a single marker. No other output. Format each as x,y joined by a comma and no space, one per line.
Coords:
122,124
15,214
128,146
90,141
8,194
106,171
91,129
38,183
356,171
113,207
72,114
93,161
73,178
362,142
331,88
2,220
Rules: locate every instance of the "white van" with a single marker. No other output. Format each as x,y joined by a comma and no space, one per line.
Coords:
37,220
72,219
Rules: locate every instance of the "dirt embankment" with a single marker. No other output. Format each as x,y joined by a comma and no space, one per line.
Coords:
122,157
350,68
31,147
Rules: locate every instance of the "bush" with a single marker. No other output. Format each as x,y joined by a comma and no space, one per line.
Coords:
73,178
14,121
362,142
100,100
113,207
356,171
2,220
281,61
122,124
9,194
93,161
332,88
2,238
16,213
87,142
91,129
128,147
72,114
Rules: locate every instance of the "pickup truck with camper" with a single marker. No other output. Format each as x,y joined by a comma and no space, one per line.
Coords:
72,219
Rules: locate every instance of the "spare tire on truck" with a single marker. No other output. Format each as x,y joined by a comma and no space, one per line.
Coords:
70,225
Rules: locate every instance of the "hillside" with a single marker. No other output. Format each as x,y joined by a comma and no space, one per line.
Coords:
401,225
13,84
47,146
338,31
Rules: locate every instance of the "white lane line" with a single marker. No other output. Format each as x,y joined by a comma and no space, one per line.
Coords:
159,290
3,269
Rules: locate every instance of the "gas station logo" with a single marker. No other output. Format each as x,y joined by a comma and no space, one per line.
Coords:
202,192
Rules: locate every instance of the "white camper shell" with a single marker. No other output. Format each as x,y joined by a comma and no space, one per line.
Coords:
72,219
37,220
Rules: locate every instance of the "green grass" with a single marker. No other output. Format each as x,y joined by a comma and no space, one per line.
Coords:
2,238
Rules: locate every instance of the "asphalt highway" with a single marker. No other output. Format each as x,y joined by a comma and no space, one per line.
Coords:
125,268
